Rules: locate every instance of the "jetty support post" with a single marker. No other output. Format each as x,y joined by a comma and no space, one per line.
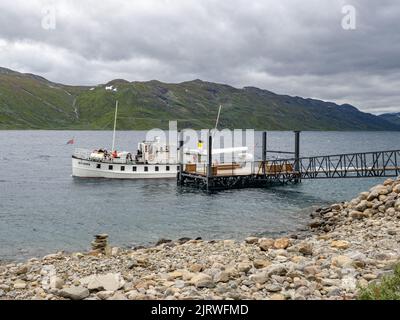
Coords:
297,155
264,151
209,163
180,178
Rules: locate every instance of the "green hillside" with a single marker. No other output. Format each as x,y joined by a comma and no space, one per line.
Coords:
31,102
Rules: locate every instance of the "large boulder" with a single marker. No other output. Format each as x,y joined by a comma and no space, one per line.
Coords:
279,269
363,195
259,277
251,240
316,223
106,282
305,248
202,280
56,282
261,263
281,243
358,214
265,244
22,269
372,195
340,244
336,206
74,293
363,205
244,266
342,261
397,205
221,276
396,188
19,284
388,182
381,189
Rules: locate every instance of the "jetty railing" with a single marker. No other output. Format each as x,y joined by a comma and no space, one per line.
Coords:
268,172
350,165
367,164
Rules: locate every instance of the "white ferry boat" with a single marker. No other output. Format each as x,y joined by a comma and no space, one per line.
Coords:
152,160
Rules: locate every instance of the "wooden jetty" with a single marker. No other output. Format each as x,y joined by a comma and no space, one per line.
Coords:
265,173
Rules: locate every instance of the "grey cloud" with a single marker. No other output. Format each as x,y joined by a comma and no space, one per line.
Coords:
292,47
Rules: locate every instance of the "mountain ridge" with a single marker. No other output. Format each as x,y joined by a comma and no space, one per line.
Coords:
393,117
29,101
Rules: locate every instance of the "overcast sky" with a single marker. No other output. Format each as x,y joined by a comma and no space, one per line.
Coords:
295,47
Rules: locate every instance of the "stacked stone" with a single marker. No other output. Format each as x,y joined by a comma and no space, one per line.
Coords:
100,245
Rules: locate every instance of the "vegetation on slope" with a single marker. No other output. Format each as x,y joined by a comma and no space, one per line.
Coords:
28,101
31,102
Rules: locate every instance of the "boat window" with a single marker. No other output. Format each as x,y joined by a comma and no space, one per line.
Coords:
134,169
157,169
146,169
110,167
167,168
98,166
122,168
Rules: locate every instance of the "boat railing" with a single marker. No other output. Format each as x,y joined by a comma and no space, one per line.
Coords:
82,153
86,154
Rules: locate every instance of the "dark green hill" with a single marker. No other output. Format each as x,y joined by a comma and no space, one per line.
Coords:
31,102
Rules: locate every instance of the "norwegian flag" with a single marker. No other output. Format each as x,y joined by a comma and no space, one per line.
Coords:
72,141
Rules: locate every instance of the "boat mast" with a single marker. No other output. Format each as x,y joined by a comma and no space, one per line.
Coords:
216,122
115,125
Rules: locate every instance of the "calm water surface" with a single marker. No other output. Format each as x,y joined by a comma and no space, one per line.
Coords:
44,209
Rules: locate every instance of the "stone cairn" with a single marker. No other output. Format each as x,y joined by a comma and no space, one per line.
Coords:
100,244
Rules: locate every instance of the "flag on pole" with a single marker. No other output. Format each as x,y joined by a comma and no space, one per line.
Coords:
71,141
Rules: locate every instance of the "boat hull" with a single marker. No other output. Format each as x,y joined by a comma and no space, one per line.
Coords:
96,169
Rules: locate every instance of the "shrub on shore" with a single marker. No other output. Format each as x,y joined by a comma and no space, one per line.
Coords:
386,289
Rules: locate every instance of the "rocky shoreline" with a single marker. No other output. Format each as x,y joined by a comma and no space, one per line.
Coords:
350,245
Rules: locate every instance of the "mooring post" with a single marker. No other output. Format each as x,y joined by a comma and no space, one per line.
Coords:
180,179
264,151
209,164
297,154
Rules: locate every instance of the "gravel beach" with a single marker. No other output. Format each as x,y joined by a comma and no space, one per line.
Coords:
350,244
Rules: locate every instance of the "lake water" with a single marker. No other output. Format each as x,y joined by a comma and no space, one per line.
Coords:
43,209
